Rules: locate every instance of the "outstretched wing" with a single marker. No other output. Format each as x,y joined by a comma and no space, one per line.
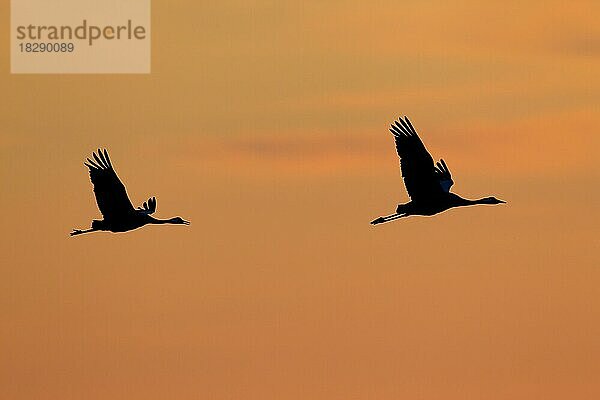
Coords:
111,196
443,174
149,206
421,178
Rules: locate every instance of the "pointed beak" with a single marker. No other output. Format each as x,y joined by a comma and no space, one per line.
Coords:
502,201
186,222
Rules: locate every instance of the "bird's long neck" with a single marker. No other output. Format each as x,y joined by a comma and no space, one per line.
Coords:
460,202
474,202
161,221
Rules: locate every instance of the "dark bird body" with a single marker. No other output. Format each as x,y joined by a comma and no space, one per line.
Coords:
427,184
113,202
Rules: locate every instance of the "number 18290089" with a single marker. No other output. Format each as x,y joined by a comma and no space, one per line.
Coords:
46,47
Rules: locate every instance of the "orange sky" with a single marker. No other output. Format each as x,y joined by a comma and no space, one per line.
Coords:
266,126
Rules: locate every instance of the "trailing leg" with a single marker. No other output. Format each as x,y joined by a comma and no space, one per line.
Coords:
79,231
387,218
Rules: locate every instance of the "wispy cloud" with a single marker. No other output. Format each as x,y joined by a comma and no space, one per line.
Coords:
543,144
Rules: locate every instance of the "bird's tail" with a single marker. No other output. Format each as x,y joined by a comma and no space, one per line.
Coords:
402,209
98,225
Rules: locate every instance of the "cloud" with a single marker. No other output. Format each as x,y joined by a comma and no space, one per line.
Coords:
542,145
581,45
287,154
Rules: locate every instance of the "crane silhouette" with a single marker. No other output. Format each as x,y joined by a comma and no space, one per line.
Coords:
427,184
114,204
